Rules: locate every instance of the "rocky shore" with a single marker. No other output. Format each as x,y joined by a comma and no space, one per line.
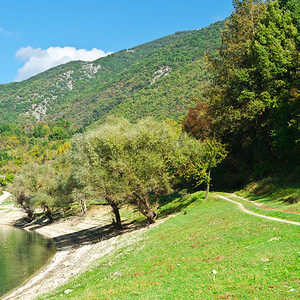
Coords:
80,241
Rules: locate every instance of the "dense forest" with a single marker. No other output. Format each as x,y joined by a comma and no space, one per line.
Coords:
252,103
224,106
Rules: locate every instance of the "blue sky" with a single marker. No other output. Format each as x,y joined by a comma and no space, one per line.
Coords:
37,34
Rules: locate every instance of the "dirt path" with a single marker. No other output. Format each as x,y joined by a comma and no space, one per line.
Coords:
242,208
8,213
4,196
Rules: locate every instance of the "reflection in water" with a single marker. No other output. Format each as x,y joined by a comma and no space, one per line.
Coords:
21,254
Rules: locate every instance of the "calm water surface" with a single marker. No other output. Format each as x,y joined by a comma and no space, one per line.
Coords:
21,254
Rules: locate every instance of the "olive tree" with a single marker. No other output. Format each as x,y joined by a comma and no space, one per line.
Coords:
97,160
137,163
31,188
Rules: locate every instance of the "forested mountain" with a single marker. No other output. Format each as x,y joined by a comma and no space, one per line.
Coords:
159,78
245,114
244,93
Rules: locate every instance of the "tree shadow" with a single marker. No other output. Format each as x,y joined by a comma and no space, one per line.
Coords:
91,235
175,203
87,236
37,222
168,205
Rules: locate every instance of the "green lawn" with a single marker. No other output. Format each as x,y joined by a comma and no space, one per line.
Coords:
254,259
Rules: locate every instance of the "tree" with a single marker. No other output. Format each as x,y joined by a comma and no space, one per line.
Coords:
58,133
254,93
198,121
294,7
137,163
46,202
97,157
67,186
197,163
32,186
151,155
214,153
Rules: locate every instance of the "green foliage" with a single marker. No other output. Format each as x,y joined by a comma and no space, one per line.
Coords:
34,188
122,161
254,102
293,6
58,133
6,179
40,142
4,157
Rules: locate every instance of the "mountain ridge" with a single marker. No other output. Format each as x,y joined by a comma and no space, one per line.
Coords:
148,79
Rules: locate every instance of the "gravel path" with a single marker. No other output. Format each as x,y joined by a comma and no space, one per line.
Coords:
242,208
4,196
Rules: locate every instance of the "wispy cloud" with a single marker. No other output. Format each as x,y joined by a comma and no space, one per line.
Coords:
37,60
3,31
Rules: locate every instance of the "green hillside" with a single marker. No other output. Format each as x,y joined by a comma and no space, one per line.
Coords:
212,250
158,78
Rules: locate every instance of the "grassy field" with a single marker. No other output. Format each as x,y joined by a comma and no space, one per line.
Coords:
274,193
266,209
252,258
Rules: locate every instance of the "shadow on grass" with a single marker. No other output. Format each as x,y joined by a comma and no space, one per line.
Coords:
282,196
170,204
176,202
258,198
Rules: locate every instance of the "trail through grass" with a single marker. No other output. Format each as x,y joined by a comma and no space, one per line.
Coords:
252,258
273,215
267,209
274,193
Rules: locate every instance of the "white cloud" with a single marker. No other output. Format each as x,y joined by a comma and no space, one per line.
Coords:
38,60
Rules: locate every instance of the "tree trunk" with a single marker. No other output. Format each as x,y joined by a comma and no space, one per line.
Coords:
116,212
208,184
115,207
30,215
150,213
49,214
83,207
151,217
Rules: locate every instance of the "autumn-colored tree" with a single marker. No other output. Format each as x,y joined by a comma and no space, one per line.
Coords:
198,121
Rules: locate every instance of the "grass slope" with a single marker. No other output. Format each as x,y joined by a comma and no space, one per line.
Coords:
266,209
254,258
276,193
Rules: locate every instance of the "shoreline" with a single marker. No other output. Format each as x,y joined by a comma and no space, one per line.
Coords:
79,242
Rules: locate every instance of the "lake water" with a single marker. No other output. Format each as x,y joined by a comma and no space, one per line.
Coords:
22,253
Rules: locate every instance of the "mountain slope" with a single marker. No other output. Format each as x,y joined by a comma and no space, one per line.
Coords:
159,78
